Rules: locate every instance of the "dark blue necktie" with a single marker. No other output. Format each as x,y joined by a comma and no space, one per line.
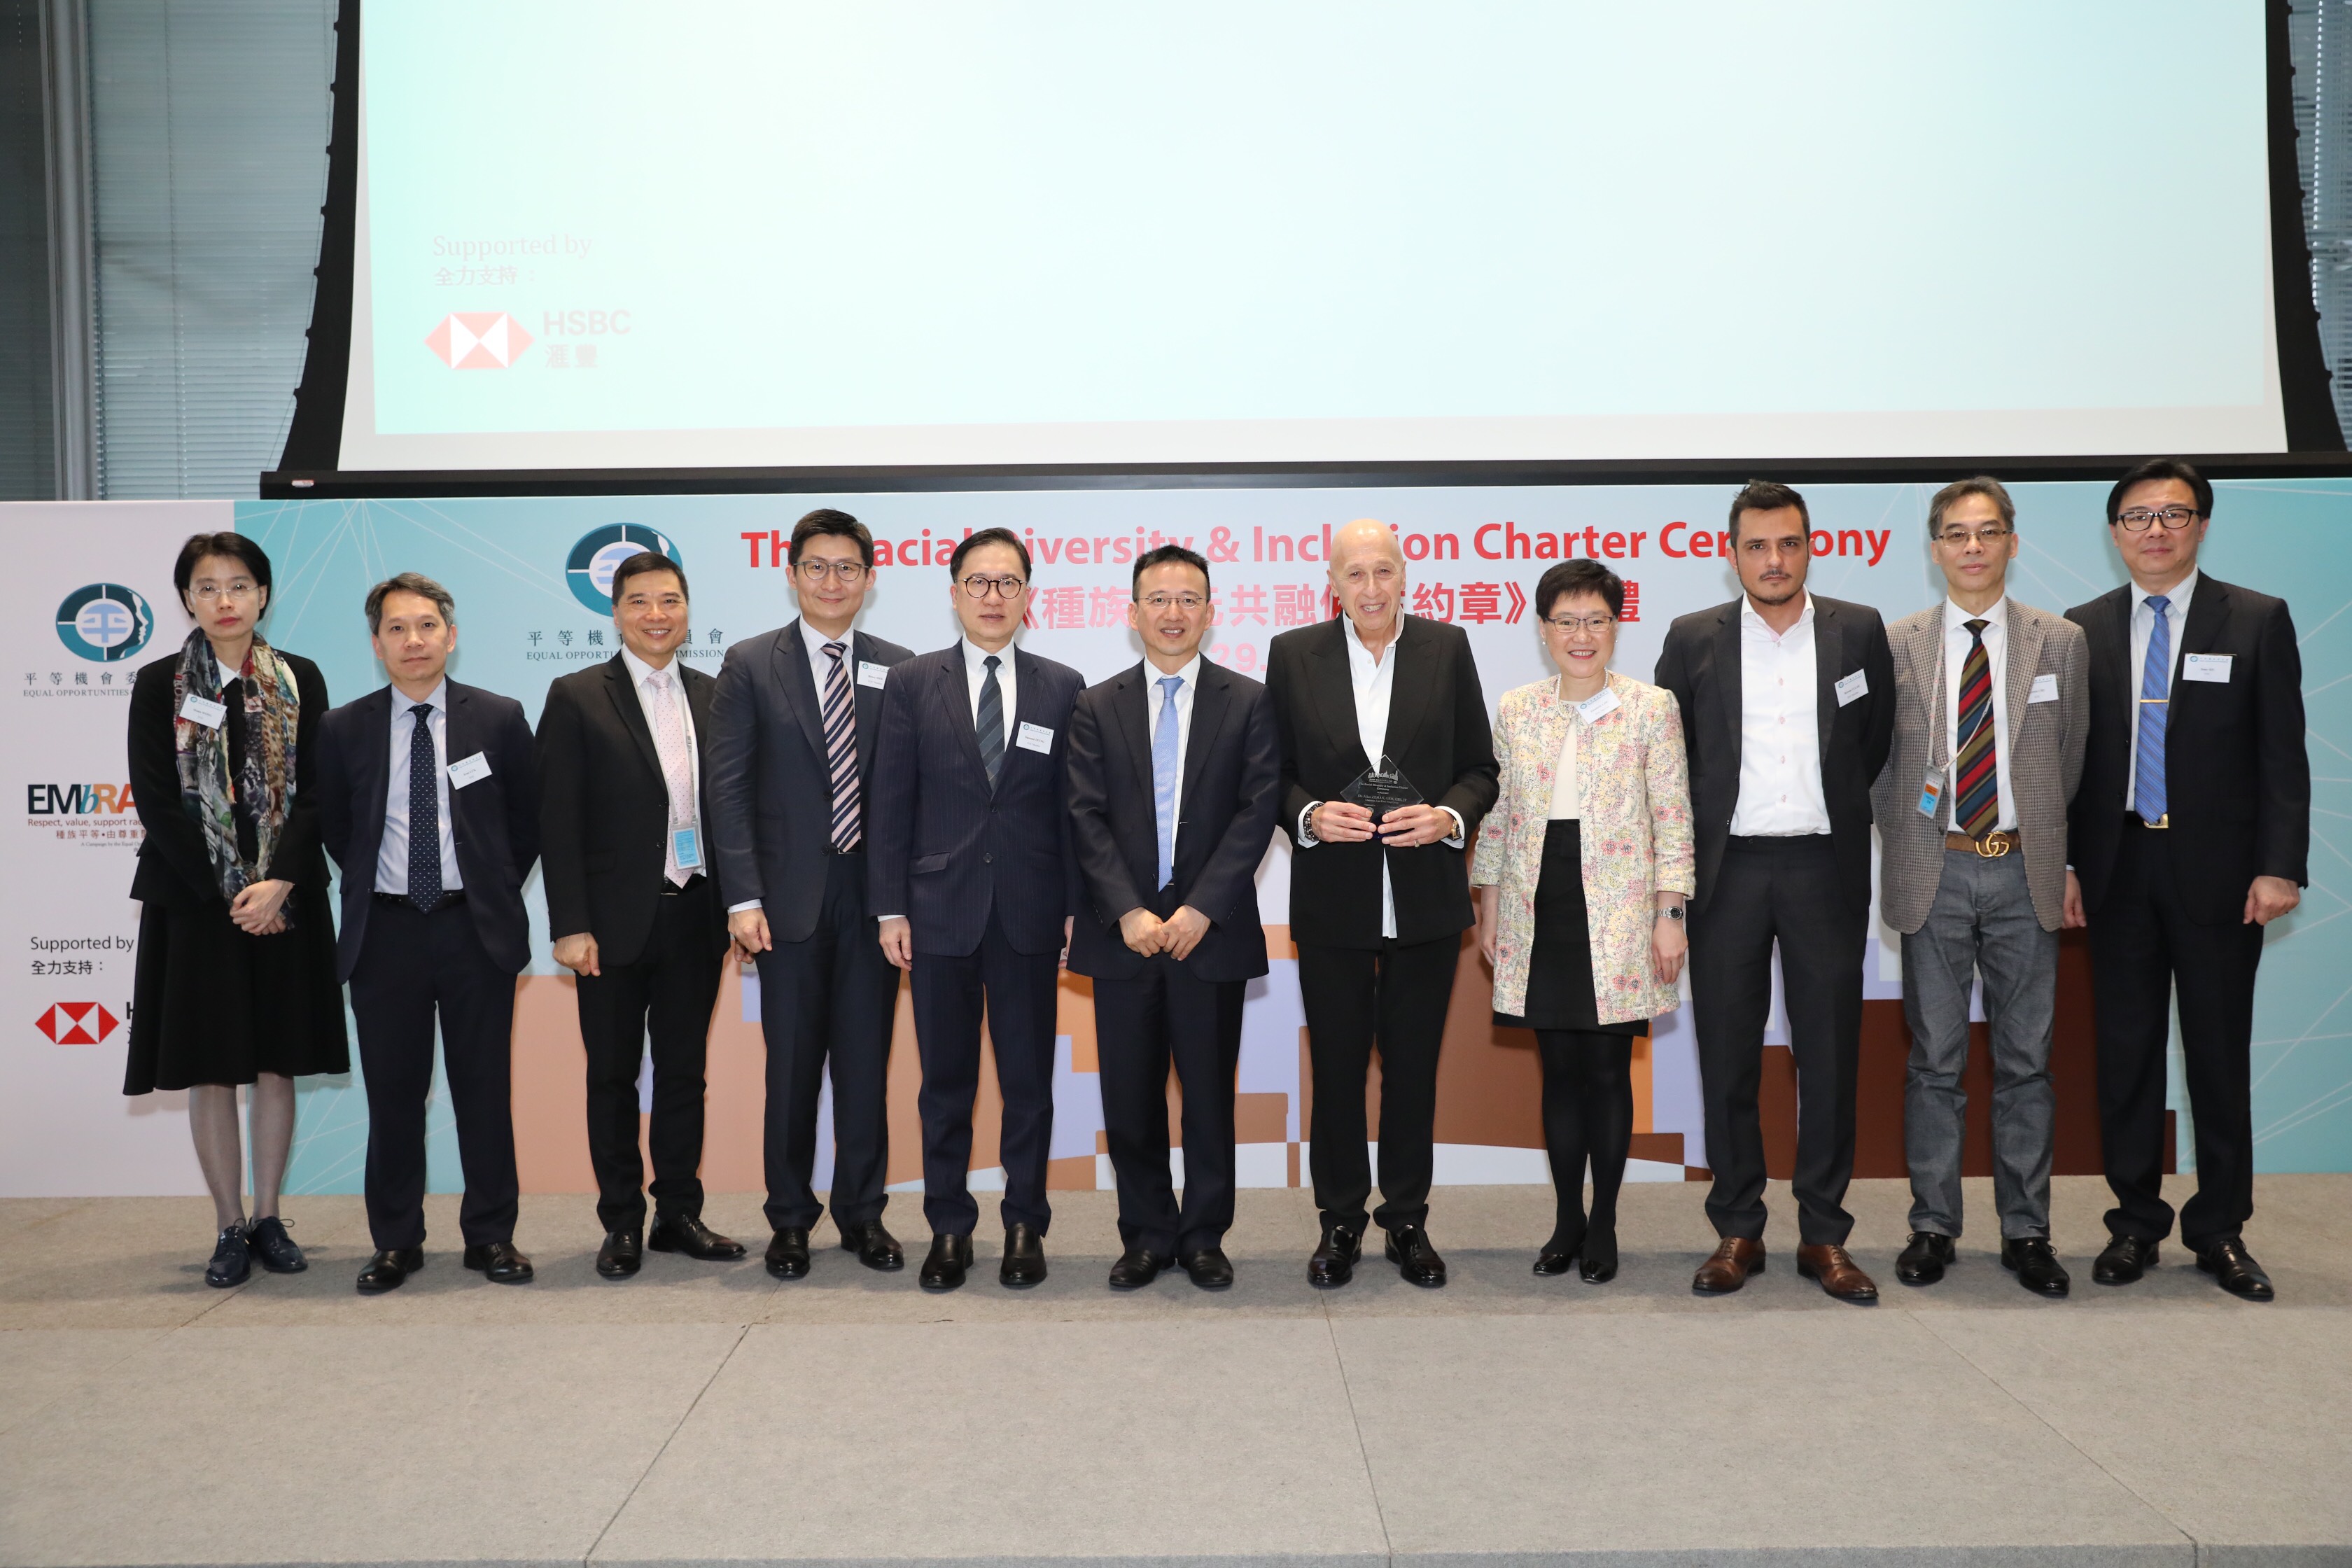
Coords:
423,813
989,723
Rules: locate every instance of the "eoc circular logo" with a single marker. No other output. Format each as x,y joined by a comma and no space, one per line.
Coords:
105,621
589,569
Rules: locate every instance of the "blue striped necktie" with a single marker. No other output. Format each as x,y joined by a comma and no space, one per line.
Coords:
988,722
2154,688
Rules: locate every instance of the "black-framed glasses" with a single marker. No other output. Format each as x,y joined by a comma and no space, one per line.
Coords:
1596,624
979,587
849,574
2140,517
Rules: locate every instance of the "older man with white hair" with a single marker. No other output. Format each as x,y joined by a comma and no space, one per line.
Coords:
1387,766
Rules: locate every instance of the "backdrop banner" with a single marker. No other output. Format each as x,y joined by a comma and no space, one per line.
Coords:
529,578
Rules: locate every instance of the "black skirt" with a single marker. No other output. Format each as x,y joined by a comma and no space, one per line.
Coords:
210,1003
1559,969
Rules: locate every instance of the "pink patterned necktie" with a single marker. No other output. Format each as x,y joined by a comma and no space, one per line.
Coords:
677,770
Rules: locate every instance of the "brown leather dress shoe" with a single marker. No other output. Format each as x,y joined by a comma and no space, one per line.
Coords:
1727,1267
1837,1272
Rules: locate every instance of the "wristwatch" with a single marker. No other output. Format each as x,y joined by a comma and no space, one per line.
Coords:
1671,913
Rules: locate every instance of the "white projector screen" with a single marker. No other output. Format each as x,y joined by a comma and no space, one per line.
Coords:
593,235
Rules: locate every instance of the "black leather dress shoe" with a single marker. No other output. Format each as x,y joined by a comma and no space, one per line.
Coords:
1209,1268
950,1261
875,1245
1024,1258
2035,1263
2127,1257
1925,1257
500,1263
2234,1268
686,1232
1333,1262
1415,1259
232,1259
276,1249
788,1254
1597,1264
623,1254
390,1270
1136,1268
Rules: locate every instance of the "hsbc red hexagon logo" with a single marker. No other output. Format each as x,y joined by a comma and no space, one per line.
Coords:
76,1023
478,340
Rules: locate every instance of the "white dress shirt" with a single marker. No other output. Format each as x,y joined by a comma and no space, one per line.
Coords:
2143,627
1954,659
820,668
1781,792
392,855
1155,698
680,812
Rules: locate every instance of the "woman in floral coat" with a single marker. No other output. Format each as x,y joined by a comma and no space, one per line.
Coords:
1581,870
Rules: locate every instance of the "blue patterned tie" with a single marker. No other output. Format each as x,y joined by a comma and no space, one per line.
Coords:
423,813
2155,687
1163,776
990,721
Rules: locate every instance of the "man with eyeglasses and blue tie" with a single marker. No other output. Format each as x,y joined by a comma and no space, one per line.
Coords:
1175,780
2189,835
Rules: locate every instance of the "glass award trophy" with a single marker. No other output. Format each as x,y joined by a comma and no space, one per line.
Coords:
1382,789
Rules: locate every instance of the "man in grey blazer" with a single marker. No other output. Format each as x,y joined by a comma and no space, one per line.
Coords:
1991,710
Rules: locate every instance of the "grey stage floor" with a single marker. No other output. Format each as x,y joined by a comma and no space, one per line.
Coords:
707,1414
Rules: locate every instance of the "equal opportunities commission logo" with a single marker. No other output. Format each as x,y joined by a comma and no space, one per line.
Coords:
105,621
590,569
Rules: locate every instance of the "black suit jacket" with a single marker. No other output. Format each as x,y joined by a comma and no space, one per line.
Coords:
2237,776
942,849
1700,665
1438,734
1231,795
603,808
493,822
770,785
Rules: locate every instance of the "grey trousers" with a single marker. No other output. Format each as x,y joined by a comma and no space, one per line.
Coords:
1982,920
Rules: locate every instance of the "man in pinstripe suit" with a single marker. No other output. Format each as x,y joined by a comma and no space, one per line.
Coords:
1991,709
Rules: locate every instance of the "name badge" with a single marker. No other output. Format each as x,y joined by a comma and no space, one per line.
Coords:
2045,690
468,770
1931,792
196,709
1035,737
872,674
687,844
1852,686
2213,667
1592,708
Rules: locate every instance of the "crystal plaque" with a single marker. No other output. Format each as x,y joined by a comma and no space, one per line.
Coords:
1382,789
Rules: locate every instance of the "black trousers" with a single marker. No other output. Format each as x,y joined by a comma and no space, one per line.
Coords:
1783,890
2146,954
1141,1024
1588,1115
1016,993
1394,997
412,966
829,999
667,996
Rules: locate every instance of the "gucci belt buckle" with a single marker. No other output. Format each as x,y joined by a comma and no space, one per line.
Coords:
1993,845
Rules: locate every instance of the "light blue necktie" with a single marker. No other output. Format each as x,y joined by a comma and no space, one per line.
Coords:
1163,776
2155,687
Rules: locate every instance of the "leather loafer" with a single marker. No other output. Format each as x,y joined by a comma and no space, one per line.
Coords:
1024,1258
2234,1268
500,1263
875,1245
950,1261
2035,1263
1334,1263
232,1259
623,1254
390,1269
1416,1259
686,1232
1727,1268
788,1254
274,1248
2127,1257
1136,1268
1925,1257
1840,1275
1208,1267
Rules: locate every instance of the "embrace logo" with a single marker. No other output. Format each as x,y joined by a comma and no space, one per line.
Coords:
77,1024
590,568
478,340
104,621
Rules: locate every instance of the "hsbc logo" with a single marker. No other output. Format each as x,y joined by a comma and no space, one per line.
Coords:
478,340
77,1024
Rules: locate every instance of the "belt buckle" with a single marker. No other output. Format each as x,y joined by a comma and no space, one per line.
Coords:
1992,846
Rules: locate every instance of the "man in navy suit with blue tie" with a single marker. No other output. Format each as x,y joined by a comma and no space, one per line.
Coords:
971,878
429,803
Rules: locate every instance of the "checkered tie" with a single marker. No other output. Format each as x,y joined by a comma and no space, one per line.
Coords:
841,750
1977,791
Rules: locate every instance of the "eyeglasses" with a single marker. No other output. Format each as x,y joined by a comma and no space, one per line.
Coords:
205,592
849,574
1596,624
1157,603
2138,519
979,587
1988,537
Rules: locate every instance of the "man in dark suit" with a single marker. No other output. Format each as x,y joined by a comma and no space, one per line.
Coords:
972,882
791,767
621,812
2190,833
1174,779
1378,901
1787,702
429,803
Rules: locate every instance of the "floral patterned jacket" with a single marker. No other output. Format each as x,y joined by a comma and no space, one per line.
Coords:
1635,831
